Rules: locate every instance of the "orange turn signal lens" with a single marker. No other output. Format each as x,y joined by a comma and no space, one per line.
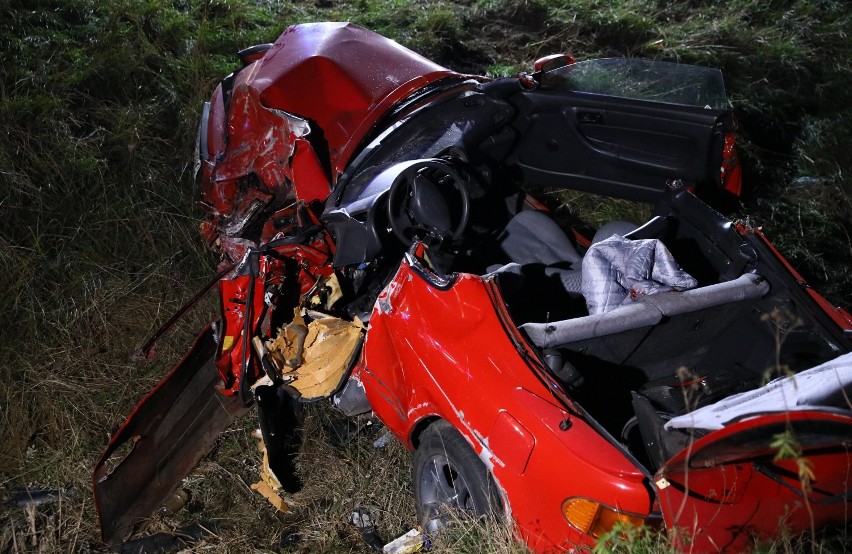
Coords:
594,518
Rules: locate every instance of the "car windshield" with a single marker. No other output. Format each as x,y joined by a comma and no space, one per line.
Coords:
667,82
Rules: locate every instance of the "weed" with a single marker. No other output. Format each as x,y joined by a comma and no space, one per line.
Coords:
624,537
478,536
98,240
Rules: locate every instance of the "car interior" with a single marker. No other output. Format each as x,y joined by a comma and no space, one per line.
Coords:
456,181
662,355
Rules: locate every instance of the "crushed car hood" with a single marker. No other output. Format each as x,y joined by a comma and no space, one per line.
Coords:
338,77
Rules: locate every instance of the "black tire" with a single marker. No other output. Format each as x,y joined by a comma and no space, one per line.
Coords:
450,480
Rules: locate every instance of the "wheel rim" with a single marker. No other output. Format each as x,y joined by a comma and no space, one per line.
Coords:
443,488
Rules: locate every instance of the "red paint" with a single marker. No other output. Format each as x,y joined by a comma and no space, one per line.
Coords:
343,78
511,443
234,296
312,265
720,503
447,348
331,82
413,372
162,440
309,177
731,172
216,130
444,351
552,62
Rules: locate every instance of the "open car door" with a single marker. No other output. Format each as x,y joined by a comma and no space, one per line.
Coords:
624,128
161,442
730,487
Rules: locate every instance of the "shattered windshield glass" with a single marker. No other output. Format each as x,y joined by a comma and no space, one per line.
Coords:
667,82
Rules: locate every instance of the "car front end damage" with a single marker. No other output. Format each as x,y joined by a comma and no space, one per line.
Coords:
379,249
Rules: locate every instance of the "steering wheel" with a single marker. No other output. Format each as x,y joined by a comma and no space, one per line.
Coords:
420,200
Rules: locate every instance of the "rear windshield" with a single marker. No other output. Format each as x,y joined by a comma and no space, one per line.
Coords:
667,82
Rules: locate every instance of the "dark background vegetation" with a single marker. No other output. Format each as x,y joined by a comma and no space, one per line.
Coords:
98,228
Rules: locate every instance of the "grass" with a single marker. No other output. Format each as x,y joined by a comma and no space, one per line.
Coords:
99,243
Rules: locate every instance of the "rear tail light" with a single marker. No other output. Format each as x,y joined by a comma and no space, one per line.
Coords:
595,519
731,172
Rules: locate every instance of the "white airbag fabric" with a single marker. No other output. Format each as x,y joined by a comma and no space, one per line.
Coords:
828,385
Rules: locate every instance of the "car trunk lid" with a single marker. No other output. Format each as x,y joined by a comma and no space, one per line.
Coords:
744,481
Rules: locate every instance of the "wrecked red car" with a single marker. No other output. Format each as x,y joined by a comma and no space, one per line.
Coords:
381,249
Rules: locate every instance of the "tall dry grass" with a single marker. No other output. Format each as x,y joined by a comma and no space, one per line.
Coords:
98,245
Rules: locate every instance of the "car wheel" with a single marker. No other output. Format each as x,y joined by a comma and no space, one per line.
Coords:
450,479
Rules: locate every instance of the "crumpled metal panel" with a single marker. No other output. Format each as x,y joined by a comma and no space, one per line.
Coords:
167,434
728,488
285,126
483,390
342,77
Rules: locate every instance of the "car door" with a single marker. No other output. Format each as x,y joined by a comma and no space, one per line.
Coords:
623,128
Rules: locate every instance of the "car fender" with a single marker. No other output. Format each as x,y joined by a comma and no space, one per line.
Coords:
436,347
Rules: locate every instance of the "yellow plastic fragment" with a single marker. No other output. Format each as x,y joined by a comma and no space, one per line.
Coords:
266,474
273,498
227,342
315,365
269,485
405,544
286,349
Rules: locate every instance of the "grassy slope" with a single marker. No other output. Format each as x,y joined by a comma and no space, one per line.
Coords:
98,241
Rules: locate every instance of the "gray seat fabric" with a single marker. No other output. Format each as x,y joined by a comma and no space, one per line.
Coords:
606,230
532,237
647,310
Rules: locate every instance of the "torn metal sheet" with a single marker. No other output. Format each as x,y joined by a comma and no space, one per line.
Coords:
164,438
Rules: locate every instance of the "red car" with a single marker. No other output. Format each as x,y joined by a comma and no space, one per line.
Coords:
380,248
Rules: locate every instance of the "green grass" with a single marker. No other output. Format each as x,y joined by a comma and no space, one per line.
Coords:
98,225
